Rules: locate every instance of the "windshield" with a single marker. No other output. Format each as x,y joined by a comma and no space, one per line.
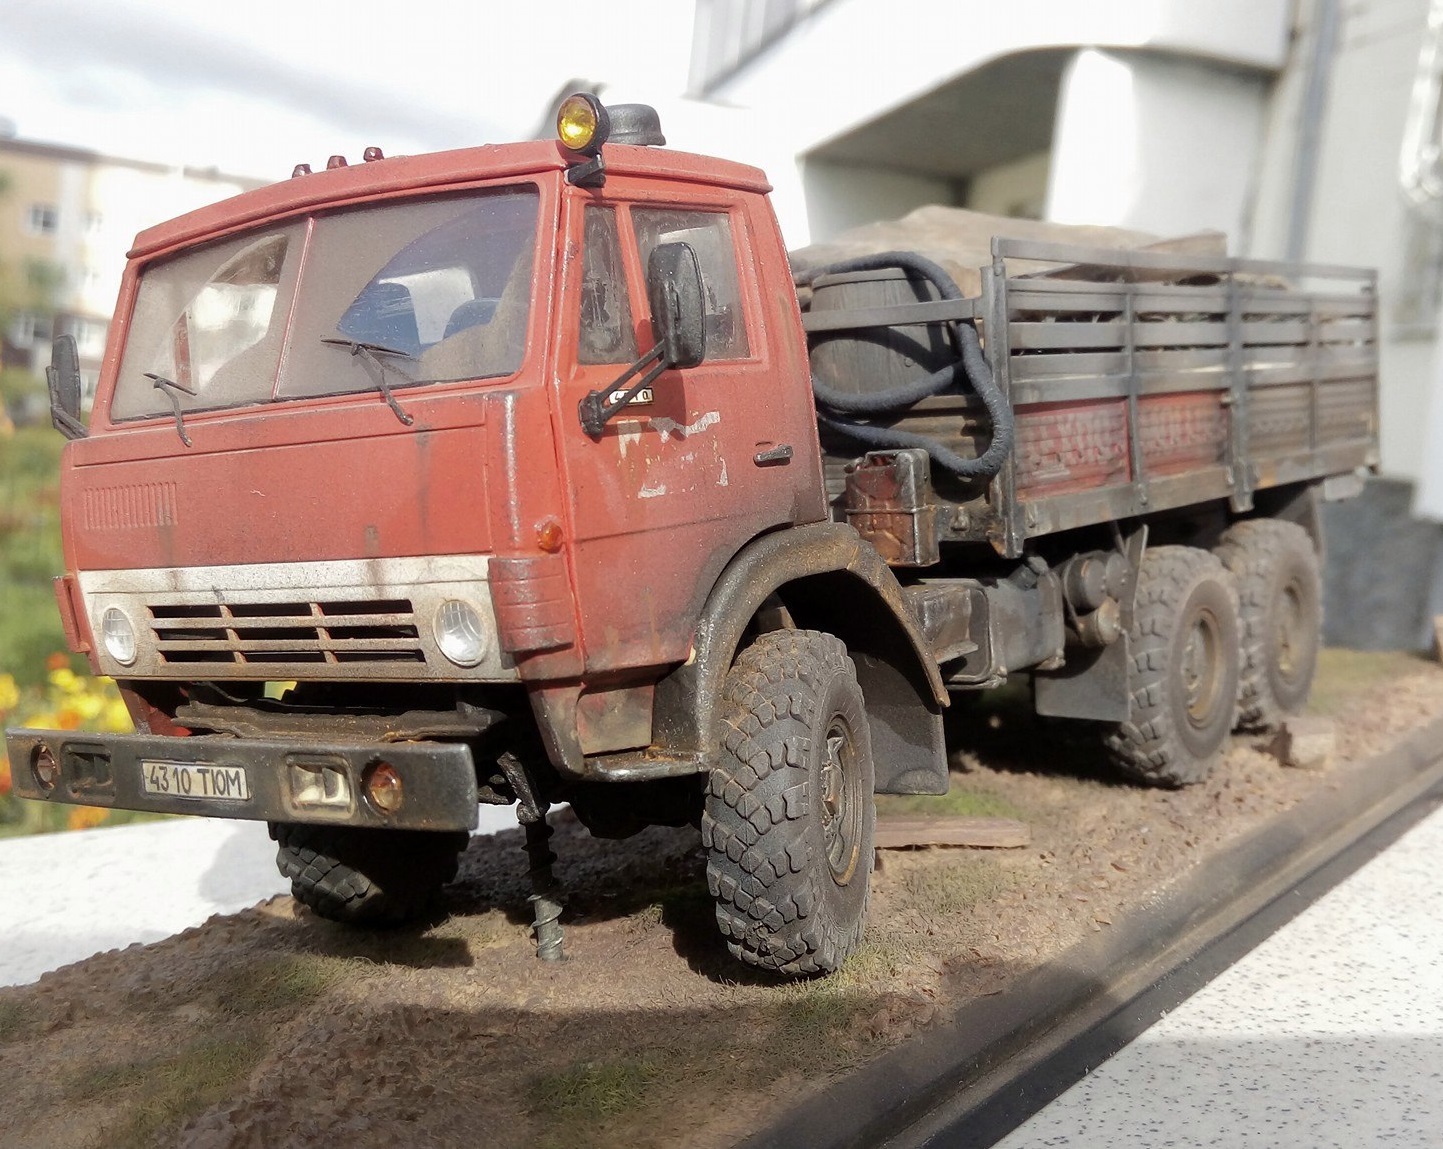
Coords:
442,287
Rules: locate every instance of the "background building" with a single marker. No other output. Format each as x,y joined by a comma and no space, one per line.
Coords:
67,218
1279,122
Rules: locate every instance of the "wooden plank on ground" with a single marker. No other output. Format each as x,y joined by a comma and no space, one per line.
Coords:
894,833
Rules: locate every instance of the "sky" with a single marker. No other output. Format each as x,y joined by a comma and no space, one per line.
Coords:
255,87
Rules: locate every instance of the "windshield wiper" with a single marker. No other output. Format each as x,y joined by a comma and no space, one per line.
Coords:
168,388
370,354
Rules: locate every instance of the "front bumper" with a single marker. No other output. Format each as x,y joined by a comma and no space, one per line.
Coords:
283,781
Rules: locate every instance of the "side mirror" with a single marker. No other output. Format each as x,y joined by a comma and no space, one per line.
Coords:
678,307
63,378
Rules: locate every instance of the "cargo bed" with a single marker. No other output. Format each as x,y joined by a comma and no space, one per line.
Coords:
1141,381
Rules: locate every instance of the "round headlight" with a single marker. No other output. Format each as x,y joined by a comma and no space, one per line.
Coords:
582,123
460,634
118,635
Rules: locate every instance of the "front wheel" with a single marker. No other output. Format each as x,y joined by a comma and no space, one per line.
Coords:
789,812
364,876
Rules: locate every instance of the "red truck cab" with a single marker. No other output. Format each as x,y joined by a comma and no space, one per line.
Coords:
342,531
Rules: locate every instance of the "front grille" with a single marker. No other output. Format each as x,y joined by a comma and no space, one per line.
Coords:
280,634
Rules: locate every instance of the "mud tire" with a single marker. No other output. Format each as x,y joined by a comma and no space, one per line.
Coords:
1280,594
789,812
363,876
1183,676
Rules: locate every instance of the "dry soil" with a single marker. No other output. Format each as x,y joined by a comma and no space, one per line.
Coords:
274,1028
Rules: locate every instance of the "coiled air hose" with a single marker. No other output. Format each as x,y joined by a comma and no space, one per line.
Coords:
837,409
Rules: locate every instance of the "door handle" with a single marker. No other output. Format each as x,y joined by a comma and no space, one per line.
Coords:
778,454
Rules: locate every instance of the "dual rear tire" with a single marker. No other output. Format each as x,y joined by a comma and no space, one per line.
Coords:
1219,640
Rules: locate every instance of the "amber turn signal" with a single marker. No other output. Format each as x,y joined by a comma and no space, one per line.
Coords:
384,789
549,536
582,123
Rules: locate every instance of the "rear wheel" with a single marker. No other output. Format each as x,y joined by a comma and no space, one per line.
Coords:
1280,594
364,876
1183,675
789,812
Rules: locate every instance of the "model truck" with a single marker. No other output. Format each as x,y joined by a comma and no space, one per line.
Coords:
530,474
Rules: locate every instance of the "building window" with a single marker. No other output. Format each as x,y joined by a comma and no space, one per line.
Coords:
94,221
89,336
28,329
44,219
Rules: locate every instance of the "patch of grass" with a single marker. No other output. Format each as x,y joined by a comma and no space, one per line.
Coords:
275,983
29,552
951,886
157,1094
1344,674
593,1090
16,1019
958,800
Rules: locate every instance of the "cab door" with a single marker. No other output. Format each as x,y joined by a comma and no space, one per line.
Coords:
705,460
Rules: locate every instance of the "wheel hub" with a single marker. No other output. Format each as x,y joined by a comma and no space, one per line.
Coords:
1289,636
840,812
1201,672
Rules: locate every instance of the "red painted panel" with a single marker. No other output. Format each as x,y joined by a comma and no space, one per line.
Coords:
671,490
364,496
1071,446
1182,432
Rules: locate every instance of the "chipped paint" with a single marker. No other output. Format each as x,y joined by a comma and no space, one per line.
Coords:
669,427
721,479
652,492
629,435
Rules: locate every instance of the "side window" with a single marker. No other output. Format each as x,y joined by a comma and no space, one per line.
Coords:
710,235
607,332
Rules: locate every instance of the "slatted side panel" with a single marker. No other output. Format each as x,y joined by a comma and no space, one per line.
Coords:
1299,370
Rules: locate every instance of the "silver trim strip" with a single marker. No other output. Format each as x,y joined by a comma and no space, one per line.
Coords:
424,581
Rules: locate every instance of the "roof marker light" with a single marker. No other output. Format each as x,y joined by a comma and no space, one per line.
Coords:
582,123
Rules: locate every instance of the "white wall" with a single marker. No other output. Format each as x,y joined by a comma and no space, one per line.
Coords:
1155,143
840,196
1358,211
854,60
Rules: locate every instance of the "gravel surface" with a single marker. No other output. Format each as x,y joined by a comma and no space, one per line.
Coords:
272,1028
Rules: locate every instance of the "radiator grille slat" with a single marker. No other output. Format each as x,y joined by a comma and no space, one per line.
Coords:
279,633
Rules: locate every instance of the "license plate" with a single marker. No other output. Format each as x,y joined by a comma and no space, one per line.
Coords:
193,780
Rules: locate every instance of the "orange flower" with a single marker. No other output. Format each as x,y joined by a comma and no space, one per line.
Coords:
57,661
85,817
4,775
68,718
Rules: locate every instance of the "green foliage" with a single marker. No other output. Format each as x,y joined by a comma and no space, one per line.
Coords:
158,1094
600,1089
30,554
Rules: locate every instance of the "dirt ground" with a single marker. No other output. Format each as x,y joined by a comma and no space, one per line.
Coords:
274,1028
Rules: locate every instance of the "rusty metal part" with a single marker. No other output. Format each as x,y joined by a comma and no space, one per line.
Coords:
889,502
545,899
439,779
325,724
829,580
1016,623
1093,683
